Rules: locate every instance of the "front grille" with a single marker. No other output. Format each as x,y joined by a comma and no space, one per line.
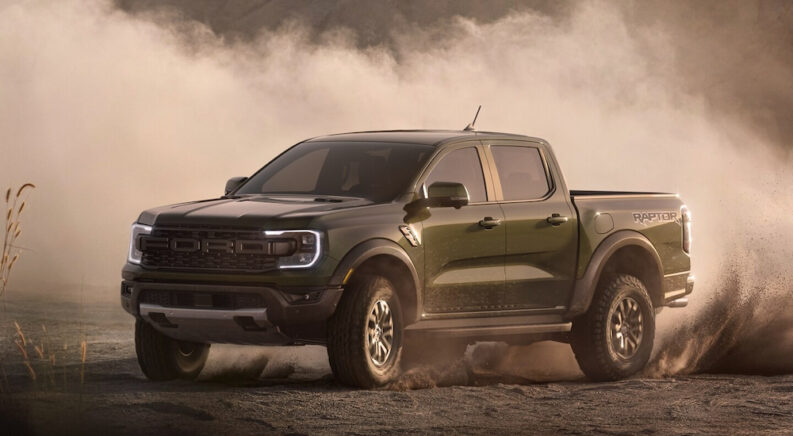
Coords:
202,300
191,255
208,261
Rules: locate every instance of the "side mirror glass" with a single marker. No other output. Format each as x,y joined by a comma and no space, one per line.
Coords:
234,183
447,194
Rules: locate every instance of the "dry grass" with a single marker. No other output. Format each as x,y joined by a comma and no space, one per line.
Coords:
83,351
45,363
38,356
12,231
22,345
10,255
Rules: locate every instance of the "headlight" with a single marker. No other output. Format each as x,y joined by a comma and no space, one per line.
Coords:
135,254
307,251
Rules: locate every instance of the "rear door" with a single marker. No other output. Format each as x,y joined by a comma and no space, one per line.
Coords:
540,223
464,260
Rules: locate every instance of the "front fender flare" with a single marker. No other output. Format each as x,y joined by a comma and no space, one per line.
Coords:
376,247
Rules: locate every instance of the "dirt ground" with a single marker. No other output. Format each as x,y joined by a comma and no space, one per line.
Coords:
256,390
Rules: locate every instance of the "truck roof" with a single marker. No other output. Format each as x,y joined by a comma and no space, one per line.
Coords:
427,137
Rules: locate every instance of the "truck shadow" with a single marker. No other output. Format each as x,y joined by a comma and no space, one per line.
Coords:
230,368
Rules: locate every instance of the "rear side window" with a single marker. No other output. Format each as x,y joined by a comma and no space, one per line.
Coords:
521,171
461,166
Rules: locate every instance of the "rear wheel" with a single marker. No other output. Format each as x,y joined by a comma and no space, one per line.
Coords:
162,358
614,339
365,333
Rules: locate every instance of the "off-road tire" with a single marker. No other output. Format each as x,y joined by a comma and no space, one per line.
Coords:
348,330
162,358
590,336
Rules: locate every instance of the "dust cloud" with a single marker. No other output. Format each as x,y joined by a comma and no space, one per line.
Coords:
228,363
110,113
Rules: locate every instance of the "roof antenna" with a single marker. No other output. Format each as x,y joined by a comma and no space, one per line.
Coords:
471,127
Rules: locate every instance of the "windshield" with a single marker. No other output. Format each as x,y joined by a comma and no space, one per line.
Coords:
378,171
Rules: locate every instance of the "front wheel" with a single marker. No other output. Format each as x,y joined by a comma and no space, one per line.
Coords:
162,358
365,333
614,339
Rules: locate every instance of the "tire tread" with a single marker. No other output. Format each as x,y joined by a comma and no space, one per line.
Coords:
346,354
152,348
156,356
589,330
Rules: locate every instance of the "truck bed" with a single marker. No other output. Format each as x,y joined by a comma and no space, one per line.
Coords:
655,215
587,193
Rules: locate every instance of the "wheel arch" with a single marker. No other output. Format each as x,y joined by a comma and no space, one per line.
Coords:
388,258
624,252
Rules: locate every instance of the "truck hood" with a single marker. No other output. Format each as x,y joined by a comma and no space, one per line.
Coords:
254,211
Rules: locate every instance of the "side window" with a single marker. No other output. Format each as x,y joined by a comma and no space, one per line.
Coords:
521,171
461,166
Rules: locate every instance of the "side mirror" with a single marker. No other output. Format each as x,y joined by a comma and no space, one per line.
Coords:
447,194
234,183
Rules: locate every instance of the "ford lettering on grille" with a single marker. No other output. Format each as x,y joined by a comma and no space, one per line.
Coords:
207,250
190,245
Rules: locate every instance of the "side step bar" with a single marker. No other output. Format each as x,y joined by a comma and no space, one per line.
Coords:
505,330
492,327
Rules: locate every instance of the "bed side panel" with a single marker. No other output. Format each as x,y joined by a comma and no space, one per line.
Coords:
657,217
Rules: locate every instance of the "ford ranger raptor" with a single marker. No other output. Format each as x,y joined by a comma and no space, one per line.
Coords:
377,243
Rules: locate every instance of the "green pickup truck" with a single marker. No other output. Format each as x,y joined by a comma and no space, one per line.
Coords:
379,243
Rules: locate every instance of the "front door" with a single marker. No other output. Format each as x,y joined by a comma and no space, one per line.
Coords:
464,248
541,246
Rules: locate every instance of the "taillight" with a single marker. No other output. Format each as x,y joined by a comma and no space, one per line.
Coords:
686,221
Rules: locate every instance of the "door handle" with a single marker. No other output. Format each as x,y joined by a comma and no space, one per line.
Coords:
556,219
490,222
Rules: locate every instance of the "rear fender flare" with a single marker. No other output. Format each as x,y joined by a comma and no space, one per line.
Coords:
585,287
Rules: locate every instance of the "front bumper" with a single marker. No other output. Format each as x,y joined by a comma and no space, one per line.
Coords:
280,316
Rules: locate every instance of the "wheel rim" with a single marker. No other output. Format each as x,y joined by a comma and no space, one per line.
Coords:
189,357
380,333
186,349
626,328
